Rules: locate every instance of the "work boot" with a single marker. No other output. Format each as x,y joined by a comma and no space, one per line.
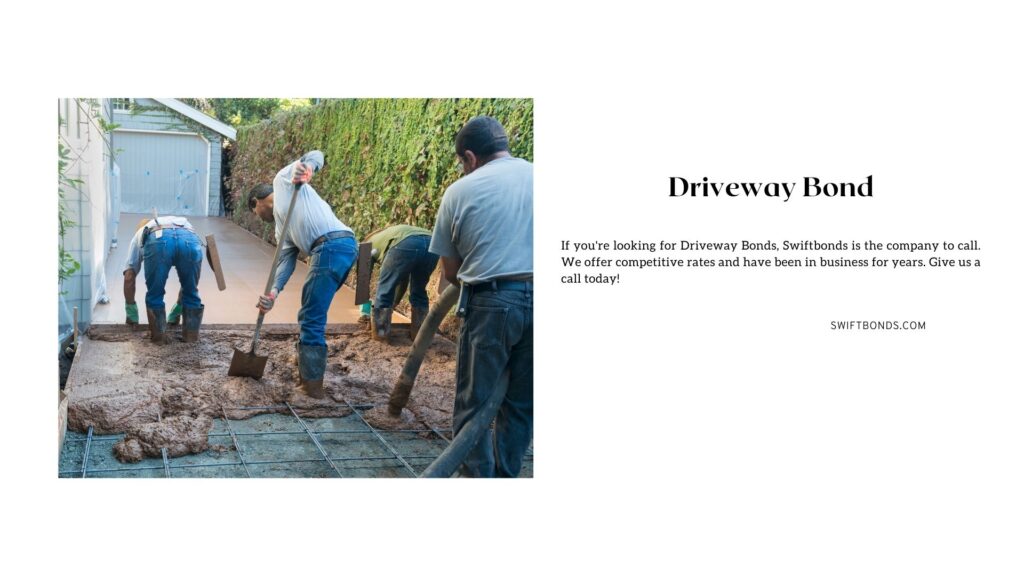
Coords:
193,319
381,323
418,316
157,325
312,363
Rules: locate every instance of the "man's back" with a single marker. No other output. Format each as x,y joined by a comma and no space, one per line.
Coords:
312,217
486,220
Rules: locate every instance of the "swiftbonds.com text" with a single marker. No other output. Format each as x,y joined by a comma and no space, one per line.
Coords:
878,325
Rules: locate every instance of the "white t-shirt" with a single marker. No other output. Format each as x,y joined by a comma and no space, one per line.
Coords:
134,261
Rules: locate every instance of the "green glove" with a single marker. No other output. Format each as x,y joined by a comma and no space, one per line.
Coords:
175,314
364,313
131,313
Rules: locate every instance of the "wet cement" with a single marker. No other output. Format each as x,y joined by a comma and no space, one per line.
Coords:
121,382
180,435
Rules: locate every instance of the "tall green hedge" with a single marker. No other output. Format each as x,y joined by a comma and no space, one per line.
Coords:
387,161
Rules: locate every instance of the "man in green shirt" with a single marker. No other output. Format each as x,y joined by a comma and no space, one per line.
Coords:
402,252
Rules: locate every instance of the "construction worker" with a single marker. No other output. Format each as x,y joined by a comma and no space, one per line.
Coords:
484,236
405,259
161,243
331,246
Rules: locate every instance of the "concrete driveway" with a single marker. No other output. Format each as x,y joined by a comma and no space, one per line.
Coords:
246,261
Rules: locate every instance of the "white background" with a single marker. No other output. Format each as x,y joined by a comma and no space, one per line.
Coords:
687,421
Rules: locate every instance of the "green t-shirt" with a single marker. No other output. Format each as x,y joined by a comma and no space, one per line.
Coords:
383,241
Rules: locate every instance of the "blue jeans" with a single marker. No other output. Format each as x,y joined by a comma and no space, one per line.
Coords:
328,266
497,342
408,261
175,247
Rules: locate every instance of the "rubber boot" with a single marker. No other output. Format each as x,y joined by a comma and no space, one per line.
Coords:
381,323
312,363
157,325
418,315
193,319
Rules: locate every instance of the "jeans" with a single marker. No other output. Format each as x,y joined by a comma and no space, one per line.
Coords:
328,266
497,342
408,261
175,247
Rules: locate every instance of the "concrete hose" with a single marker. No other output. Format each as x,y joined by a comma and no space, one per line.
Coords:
403,386
471,433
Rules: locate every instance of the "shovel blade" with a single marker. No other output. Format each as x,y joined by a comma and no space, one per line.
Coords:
247,364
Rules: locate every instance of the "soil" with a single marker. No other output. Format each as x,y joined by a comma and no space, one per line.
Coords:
121,382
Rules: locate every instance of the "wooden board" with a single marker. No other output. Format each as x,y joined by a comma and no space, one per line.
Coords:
214,258
364,267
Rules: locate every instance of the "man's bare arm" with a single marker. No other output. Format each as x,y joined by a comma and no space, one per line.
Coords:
129,286
451,269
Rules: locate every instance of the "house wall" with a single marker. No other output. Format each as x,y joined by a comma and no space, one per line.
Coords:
88,205
216,205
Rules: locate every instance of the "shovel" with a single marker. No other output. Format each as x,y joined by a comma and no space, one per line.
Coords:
249,363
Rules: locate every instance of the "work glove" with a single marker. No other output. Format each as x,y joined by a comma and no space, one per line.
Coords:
131,313
302,173
175,314
267,301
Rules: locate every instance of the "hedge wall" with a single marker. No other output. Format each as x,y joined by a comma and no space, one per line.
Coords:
386,161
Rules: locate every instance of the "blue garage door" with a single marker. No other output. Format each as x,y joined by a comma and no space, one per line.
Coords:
162,170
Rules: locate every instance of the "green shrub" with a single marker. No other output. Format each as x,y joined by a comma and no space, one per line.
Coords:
387,161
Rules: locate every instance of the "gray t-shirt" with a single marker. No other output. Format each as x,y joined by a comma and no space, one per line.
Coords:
486,220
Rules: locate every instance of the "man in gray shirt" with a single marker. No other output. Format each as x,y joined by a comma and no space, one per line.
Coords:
331,246
484,236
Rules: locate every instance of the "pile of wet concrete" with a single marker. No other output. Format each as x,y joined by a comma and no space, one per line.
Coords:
167,396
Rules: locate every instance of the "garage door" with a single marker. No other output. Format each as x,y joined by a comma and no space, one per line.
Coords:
161,170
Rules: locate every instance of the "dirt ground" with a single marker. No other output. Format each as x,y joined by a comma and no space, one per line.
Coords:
122,382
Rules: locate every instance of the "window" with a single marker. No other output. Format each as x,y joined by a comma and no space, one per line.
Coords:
122,104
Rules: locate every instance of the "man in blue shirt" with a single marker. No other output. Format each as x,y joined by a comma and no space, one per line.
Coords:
161,243
484,236
331,246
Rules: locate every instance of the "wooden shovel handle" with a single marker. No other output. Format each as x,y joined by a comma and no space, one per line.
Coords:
273,267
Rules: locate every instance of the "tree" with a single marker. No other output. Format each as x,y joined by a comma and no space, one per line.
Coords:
244,111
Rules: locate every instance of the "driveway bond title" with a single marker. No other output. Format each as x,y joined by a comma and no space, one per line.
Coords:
679,186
